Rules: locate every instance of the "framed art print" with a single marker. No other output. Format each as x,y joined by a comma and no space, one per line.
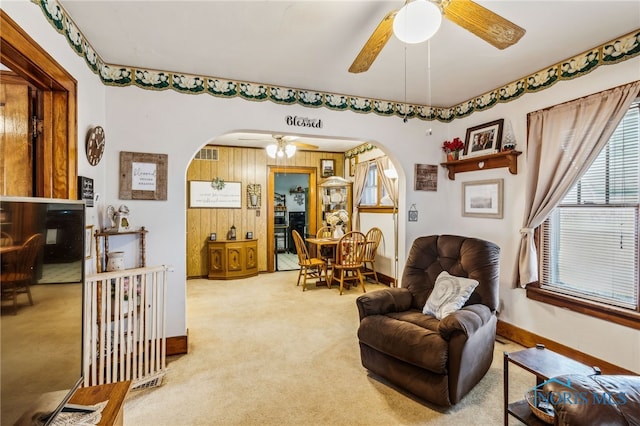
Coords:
482,198
426,177
327,168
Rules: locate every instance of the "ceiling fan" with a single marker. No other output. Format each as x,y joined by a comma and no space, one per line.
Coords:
477,19
284,146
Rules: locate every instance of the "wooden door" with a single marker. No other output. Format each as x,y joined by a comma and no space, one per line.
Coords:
16,148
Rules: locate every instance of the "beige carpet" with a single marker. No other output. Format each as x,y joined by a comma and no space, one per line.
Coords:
262,352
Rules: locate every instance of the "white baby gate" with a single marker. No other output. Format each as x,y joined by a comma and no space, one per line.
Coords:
124,327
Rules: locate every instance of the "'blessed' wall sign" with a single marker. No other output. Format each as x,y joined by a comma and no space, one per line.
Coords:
294,120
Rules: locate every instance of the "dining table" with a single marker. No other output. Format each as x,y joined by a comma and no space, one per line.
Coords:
318,243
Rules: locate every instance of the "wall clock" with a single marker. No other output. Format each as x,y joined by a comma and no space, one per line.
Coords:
95,145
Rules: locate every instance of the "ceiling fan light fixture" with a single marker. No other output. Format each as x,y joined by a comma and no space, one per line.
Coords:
280,150
272,150
417,21
290,150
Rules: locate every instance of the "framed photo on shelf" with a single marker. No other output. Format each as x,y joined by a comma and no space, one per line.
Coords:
484,139
327,168
482,198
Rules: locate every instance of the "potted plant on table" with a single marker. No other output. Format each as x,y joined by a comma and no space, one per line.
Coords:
453,148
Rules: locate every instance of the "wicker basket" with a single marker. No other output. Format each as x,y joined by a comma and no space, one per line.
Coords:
542,414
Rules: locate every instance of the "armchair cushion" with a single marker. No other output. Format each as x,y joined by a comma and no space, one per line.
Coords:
449,294
405,341
384,301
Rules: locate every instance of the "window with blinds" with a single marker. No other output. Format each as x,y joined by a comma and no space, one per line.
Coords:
590,241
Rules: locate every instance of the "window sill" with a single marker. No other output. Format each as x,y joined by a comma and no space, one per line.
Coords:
375,209
594,309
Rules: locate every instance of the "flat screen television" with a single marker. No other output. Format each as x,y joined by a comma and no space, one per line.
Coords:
41,352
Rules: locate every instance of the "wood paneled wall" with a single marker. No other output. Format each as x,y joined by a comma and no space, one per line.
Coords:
248,166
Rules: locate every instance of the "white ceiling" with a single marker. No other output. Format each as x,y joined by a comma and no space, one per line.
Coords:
311,44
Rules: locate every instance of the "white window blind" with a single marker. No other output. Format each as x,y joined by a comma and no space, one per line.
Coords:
590,241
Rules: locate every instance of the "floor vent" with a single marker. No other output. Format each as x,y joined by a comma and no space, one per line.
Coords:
210,154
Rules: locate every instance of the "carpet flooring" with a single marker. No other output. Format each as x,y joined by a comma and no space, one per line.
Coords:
263,352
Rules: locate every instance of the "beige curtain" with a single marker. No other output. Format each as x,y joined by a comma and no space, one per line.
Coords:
562,142
391,185
359,179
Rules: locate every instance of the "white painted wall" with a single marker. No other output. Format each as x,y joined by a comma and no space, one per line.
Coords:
178,125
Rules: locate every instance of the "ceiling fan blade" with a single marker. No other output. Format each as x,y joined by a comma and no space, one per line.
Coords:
303,145
374,45
489,26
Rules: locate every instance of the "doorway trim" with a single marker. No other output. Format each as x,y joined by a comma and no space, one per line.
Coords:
57,158
313,205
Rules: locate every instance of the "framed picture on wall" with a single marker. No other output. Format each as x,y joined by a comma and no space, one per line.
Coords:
227,196
353,161
327,168
88,242
143,176
426,177
482,198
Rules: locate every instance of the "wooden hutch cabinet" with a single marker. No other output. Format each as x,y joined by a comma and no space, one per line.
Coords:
232,259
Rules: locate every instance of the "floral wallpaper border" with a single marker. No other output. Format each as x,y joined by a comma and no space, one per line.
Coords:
612,52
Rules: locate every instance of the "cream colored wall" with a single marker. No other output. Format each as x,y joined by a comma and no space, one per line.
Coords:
248,166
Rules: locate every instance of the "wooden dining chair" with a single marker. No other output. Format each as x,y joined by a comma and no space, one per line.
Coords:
5,239
17,277
324,232
348,263
374,236
310,267
326,252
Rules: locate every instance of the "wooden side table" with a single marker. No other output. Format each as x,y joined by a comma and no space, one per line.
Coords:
232,259
544,364
116,393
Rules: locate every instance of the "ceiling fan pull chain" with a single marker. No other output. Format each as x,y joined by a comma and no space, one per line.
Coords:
405,85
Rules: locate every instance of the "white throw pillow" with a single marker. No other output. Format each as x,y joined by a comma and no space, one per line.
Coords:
449,294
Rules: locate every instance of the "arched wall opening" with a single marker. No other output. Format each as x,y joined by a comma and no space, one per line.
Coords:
247,163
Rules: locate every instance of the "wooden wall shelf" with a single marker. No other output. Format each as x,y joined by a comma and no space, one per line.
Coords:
493,161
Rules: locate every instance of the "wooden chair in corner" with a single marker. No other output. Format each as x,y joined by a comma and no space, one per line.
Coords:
17,277
374,236
348,264
310,267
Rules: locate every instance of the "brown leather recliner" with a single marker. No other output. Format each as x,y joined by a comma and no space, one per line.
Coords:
594,400
439,361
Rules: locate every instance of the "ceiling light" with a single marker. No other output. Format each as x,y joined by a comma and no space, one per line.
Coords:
280,150
417,21
290,150
272,149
